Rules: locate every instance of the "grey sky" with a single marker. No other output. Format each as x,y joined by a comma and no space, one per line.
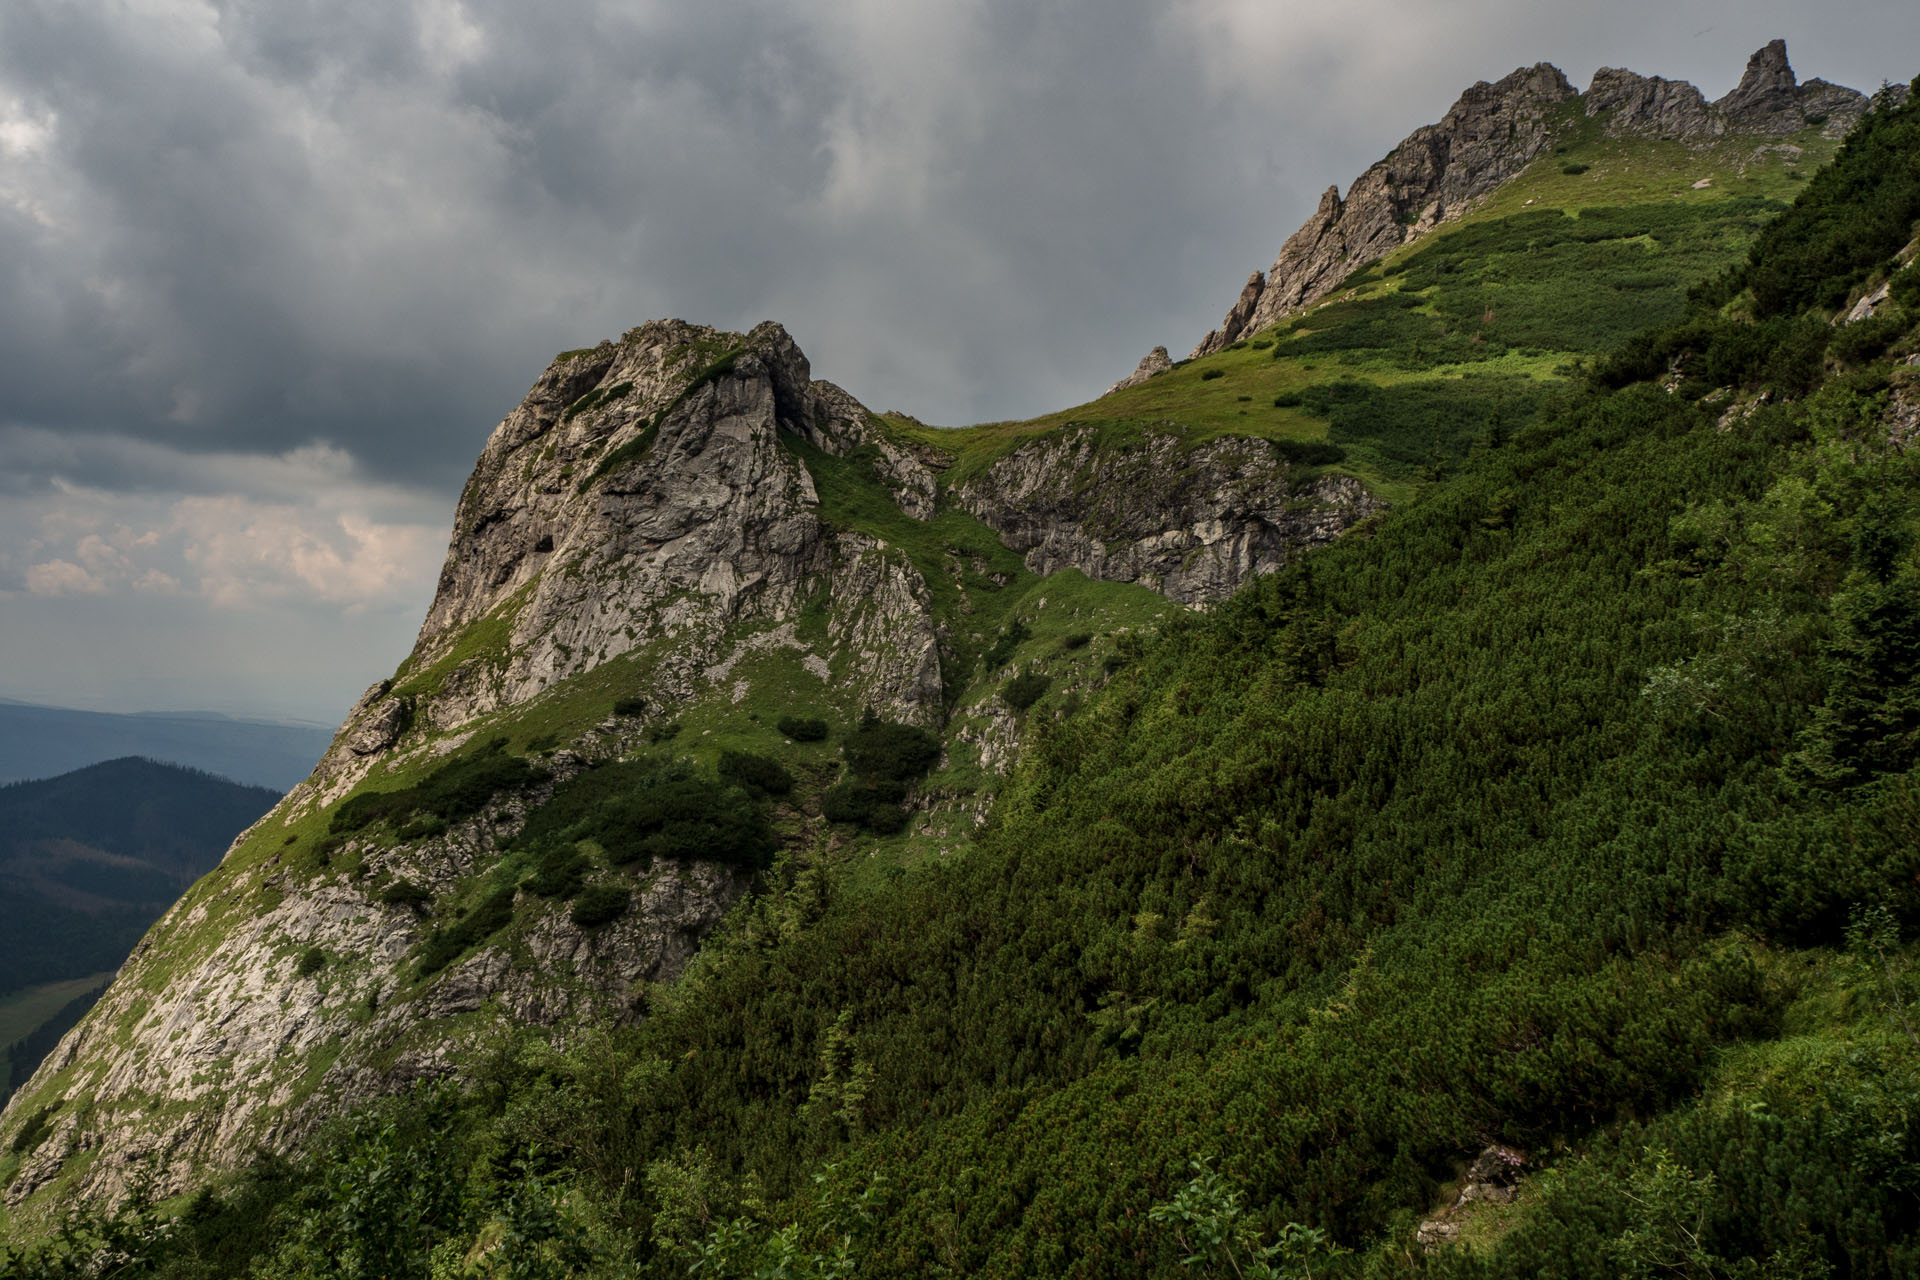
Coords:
271,269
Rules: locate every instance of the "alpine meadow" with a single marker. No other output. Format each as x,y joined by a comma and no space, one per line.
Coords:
1427,785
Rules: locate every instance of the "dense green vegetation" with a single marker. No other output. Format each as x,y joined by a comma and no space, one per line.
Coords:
460,788
1574,806
641,811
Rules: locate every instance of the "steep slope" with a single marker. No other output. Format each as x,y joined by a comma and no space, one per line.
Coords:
1488,138
677,545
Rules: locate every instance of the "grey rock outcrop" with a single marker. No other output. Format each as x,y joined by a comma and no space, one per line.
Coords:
1769,99
1192,523
641,492
1489,135
1155,361
1652,106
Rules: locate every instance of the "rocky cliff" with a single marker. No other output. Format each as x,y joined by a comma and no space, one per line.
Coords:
1192,523
679,524
1492,134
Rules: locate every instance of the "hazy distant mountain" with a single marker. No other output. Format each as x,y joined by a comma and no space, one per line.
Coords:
41,742
89,859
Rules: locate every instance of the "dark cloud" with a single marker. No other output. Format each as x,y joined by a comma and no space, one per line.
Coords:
246,228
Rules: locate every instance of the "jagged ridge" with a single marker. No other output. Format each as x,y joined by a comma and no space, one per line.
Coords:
1488,137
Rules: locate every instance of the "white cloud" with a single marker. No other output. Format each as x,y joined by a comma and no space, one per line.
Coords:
246,554
62,578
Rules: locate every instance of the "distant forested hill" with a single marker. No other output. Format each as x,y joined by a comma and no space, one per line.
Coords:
41,742
91,858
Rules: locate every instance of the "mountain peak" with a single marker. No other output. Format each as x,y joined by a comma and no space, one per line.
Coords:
1767,86
1492,133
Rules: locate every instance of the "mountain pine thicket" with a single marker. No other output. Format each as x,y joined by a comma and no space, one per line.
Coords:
1569,809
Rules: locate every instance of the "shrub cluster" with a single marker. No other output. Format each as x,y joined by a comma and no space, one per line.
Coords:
478,923
1001,651
883,760
601,904
642,810
803,728
756,773
460,788
1025,689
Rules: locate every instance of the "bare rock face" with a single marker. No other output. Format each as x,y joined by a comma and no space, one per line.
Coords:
642,491
1191,523
1488,136
214,1016
1155,361
1768,98
1651,106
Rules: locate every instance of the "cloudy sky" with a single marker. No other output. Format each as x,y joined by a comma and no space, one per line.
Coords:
270,270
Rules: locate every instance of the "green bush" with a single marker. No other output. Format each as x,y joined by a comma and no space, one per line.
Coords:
405,893
1077,640
663,731
311,961
856,802
1574,168
803,728
1208,375
1025,689
480,922
879,750
600,904
1868,339
630,707
34,1131
1904,288
422,826
1001,651
559,872
887,819
755,772
642,810
460,788
1288,400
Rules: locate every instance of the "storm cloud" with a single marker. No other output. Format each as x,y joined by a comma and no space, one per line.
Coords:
271,269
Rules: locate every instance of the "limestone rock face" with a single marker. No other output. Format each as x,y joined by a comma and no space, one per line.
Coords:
641,491
1651,105
1489,135
219,1022
1191,523
1155,361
